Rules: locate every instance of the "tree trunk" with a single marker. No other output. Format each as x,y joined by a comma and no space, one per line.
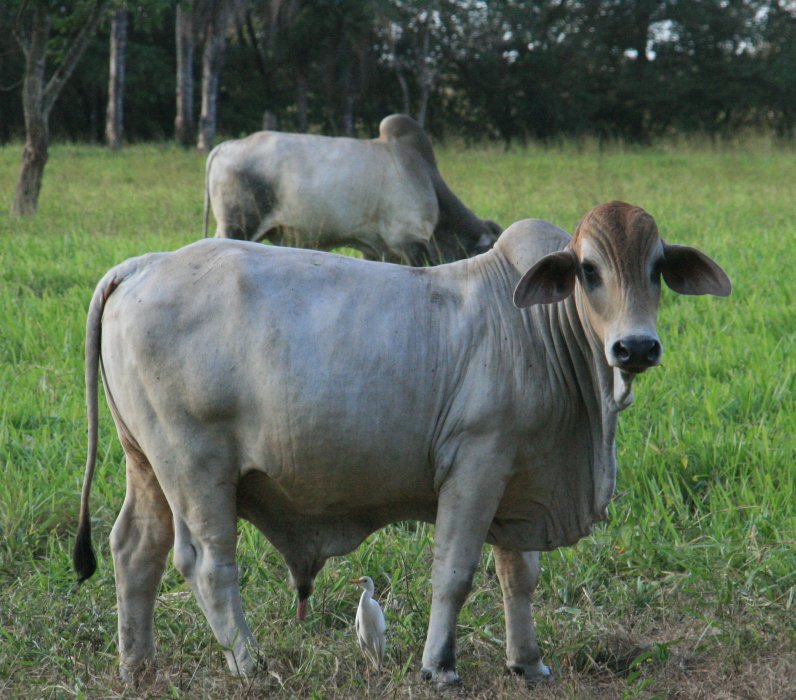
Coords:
39,97
426,80
407,106
301,100
37,138
34,158
183,121
425,91
114,117
348,99
212,62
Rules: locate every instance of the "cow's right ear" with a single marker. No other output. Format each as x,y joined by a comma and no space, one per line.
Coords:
552,279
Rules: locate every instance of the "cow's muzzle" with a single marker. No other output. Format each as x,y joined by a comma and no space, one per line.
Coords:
635,353
485,243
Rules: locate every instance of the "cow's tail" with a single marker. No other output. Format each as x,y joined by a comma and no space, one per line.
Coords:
207,187
83,558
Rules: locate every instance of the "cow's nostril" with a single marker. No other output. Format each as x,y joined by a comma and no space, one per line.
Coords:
654,353
621,352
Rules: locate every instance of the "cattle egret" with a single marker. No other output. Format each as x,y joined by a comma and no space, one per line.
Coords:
371,628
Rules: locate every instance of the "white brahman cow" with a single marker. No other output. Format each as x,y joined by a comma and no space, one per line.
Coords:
384,196
322,397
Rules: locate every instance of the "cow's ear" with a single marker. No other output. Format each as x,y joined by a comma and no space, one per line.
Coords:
689,271
551,279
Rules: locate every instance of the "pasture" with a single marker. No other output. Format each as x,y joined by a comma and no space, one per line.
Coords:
690,589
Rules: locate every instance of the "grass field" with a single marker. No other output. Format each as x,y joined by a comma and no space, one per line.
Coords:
688,592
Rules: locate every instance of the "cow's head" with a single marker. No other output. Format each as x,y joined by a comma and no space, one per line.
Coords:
614,265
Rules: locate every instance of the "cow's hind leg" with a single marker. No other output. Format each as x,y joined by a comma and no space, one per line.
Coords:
518,573
204,553
140,542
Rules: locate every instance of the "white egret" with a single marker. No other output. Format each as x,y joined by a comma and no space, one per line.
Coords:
371,628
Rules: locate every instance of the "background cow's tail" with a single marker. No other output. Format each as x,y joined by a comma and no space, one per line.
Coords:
83,558
207,187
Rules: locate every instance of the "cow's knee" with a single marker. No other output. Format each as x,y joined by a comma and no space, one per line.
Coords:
185,557
453,585
213,576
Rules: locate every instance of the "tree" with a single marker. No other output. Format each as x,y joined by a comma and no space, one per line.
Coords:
114,121
212,62
184,37
420,39
34,33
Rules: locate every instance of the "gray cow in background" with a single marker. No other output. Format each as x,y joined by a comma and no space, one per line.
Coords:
383,196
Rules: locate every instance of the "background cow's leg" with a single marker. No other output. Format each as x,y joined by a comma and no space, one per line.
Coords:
518,573
140,542
415,254
204,553
464,512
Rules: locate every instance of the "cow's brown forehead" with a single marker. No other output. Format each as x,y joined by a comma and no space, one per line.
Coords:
623,231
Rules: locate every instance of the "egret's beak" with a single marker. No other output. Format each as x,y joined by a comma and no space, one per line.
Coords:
356,580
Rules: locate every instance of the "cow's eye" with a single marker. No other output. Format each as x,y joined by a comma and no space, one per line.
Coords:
590,274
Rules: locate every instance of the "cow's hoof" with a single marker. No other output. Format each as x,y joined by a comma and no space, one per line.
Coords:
138,674
532,673
441,679
246,666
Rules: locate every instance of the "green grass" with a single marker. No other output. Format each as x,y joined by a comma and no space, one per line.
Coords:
689,590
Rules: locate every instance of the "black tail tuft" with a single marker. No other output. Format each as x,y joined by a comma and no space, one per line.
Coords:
83,558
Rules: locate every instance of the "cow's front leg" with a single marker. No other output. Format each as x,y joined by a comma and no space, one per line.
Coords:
518,573
464,514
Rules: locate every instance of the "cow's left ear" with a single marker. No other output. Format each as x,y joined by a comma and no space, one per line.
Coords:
551,279
689,271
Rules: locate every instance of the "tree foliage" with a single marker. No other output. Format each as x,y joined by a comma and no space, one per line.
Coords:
504,69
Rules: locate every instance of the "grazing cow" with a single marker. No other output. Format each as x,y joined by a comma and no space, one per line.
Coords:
384,196
322,397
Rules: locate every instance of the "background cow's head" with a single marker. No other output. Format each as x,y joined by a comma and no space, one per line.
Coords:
614,265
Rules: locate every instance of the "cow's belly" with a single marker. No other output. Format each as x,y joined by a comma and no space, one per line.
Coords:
332,466
289,525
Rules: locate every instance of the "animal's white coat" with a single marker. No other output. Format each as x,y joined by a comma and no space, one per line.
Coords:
384,196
